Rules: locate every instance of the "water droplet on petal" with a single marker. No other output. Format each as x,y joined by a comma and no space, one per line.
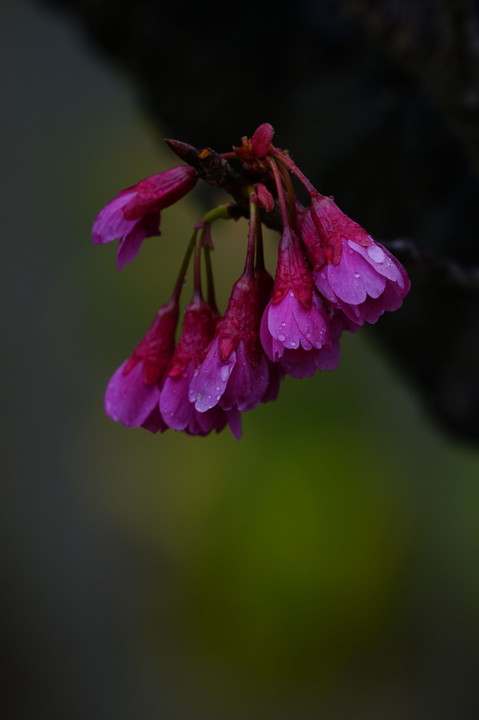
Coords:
195,374
281,337
224,373
308,335
376,254
292,343
291,293
323,276
356,275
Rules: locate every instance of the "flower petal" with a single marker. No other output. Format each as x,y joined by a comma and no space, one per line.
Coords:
110,223
128,399
210,380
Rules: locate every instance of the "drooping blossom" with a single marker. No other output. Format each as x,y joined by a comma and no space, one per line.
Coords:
276,372
133,393
351,270
234,373
295,325
134,214
176,409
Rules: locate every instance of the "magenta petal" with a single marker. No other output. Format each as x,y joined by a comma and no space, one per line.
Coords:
154,422
180,414
210,380
328,357
381,260
234,421
281,321
266,337
110,222
275,374
353,279
371,310
247,383
213,419
176,409
295,326
322,285
299,363
128,399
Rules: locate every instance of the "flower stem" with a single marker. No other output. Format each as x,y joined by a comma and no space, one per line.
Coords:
281,194
197,265
218,213
259,249
184,267
290,192
287,162
209,280
253,223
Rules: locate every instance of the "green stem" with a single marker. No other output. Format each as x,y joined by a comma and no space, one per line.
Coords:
218,213
184,267
197,266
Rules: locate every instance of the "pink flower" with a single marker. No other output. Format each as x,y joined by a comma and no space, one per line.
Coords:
234,373
176,409
133,393
295,325
351,270
134,214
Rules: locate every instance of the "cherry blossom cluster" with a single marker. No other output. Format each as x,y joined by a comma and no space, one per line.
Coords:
331,277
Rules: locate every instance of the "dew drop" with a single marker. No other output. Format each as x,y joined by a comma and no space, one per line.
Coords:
281,337
291,293
308,335
283,324
323,276
292,343
224,373
218,397
195,374
376,254
356,275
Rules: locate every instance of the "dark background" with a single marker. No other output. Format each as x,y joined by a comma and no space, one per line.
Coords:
325,565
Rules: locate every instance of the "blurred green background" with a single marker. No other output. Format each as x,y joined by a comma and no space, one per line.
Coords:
324,566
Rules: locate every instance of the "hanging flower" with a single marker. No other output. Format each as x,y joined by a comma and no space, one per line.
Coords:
351,270
234,373
133,393
134,214
176,409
